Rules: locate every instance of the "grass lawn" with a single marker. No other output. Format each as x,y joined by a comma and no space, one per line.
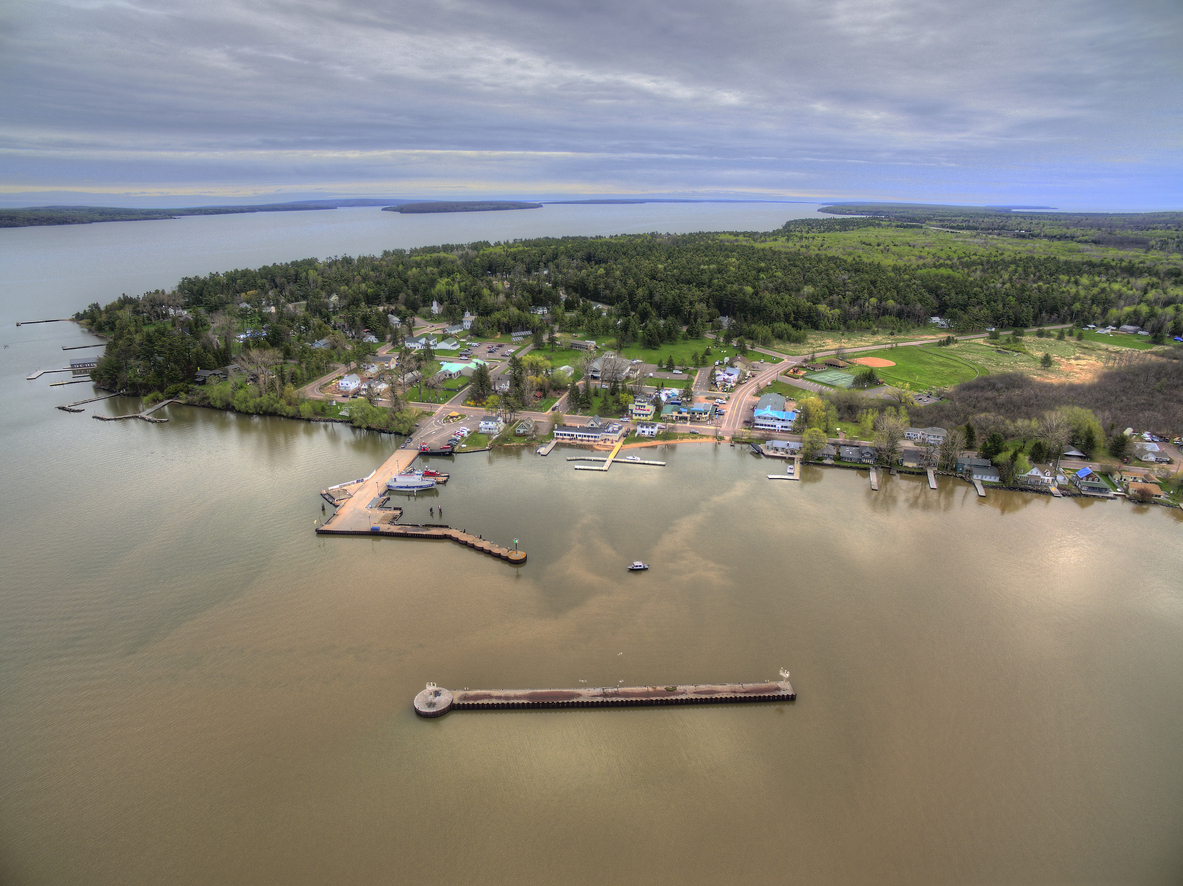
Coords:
923,367
785,389
682,352
475,440
1120,340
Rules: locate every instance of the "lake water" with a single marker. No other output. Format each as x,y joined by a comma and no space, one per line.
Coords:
196,689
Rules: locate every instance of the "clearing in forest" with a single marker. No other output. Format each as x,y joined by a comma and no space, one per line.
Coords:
923,367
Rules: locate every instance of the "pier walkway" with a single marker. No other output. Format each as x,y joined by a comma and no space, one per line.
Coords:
874,480
932,479
981,490
435,701
146,415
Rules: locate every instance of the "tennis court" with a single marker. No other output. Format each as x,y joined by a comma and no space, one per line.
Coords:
835,378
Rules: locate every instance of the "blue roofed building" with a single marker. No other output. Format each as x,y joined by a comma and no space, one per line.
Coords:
771,415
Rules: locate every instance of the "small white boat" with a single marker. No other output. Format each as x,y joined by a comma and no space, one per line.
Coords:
632,458
638,566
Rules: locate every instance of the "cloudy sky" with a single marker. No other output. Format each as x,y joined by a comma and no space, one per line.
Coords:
1069,103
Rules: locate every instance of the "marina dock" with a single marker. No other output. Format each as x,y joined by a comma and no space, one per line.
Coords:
385,526
41,372
605,462
792,472
434,701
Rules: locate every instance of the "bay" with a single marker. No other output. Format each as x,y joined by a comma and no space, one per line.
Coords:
195,688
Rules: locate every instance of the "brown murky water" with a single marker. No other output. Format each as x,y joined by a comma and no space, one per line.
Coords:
195,689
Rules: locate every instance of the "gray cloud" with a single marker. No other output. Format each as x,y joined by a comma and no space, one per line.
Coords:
933,100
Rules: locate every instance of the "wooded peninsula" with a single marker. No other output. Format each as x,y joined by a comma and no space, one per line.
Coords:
811,285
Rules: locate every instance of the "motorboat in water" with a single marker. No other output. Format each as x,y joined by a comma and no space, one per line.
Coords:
638,566
411,481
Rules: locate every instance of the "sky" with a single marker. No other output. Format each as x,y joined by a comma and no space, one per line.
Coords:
1076,104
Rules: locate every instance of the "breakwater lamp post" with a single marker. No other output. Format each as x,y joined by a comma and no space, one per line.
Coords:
515,545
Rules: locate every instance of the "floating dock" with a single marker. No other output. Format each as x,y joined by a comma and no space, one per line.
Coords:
435,701
546,448
41,372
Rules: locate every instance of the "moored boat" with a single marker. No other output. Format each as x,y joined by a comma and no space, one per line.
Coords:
438,476
638,566
412,481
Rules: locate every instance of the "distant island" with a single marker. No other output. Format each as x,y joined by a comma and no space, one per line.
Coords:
85,215
461,206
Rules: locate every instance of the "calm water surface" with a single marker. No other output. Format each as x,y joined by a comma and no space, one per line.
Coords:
195,689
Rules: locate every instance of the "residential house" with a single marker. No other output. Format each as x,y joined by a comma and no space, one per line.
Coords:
458,329
419,342
592,432
978,469
1089,483
649,429
934,436
349,384
1040,477
524,428
491,425
857,454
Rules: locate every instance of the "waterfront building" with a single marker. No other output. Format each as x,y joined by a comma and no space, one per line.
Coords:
770,414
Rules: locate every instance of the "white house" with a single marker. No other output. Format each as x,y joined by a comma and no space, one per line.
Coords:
468,320
491,425
926,435
648,429
436,307
349,384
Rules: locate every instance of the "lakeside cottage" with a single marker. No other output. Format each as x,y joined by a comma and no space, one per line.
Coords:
1089,483
491,425
1038,476
934,436
649,429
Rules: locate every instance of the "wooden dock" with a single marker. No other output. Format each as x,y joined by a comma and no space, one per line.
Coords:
932,479
146,415
41,372
874,480
435,701
981,490
386,527
547,448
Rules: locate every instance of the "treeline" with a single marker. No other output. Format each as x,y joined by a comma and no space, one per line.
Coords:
1157,231
1145,394
697,278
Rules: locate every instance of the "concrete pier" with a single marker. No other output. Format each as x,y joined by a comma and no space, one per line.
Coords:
981,490
434,701
932,479
874,480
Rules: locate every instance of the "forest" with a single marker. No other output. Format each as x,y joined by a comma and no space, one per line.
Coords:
882,274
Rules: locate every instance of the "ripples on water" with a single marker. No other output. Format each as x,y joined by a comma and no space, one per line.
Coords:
196,689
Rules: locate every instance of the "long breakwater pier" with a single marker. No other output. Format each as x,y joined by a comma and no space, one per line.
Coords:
435,701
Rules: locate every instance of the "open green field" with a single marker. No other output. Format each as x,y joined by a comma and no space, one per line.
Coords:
922,367
682,352
784,389
1120,340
